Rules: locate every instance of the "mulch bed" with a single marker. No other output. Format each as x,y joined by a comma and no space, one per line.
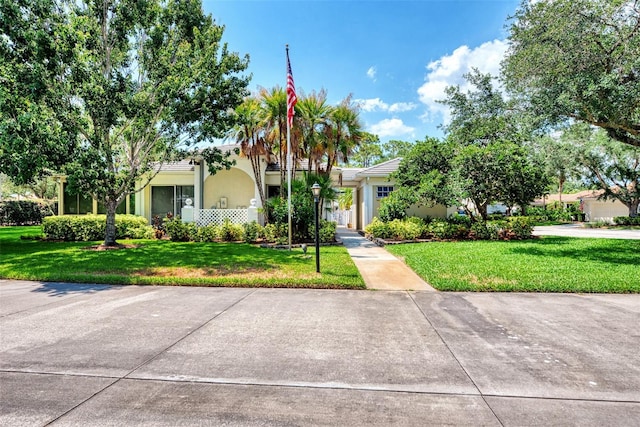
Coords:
110,248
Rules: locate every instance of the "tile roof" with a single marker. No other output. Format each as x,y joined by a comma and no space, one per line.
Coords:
382,169
184,166
350,174
180,166
569,197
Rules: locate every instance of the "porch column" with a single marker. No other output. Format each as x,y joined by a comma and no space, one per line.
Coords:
61,182
198,187
367,201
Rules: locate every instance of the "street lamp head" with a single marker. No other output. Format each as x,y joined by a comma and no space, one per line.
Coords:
316,190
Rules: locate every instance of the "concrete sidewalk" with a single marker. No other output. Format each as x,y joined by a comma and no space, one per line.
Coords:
379,269
94,355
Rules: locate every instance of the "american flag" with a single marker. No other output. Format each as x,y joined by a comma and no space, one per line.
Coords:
291,93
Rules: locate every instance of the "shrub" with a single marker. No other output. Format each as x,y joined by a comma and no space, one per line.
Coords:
92,227
157,223
459,219
179,231
206,233
495,217
596,224
276,233
252,231
456,228
519,227
23,212
392,207
327,233
480,230
230,232
627,220
422,225
405,230
553,212
378,229
453,228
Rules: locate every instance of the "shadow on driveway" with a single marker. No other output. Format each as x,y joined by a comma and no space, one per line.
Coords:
60,289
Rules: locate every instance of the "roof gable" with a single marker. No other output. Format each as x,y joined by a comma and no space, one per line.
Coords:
382,169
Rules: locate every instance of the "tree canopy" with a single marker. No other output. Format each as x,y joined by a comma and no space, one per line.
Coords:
610,165
578,60
485,158
105,90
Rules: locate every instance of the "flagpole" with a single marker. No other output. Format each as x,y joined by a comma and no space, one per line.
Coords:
288,156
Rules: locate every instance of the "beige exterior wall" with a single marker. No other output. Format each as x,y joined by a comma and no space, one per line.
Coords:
604,210
437,211
235,185
143,199
272,178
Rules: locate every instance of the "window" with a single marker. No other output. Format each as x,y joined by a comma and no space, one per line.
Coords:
169,199
384,191
122,207
77,204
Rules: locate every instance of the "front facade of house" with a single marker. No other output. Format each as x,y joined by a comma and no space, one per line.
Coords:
187,184
371,185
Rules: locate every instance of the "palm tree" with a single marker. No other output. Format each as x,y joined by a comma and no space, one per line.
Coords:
343,134
274,103
313,121
250,132
327,193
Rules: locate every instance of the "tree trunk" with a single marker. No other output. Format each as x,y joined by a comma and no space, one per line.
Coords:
110,231
633,208
255,164
482,210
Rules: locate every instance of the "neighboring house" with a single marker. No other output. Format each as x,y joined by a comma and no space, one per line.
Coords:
371,185
593,209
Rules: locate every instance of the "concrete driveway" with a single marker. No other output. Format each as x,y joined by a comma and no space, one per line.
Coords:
103,355
577,230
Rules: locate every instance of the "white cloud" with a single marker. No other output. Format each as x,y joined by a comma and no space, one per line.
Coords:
371,73
376,104
372,104
391,127
401,107
450,69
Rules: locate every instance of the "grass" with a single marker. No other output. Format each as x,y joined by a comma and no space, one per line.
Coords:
548,264
155,262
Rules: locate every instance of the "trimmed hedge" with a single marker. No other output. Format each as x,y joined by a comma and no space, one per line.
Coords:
23,212
454,228
229,232
92,227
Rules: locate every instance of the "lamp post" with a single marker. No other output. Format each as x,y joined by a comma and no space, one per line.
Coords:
316,198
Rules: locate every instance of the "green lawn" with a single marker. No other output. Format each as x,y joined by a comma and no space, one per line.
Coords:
548,264
156,262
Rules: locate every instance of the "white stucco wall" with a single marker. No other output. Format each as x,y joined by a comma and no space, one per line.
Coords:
604,210
235,185
143,199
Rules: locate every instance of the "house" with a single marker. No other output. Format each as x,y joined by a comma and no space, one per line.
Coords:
593,208
371,185
187,188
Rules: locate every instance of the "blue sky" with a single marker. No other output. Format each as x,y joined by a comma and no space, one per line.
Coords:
394,56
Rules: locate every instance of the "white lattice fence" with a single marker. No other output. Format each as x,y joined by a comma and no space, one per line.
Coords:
217,216
342,217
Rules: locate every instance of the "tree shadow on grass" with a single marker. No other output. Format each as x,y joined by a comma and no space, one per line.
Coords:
610,251
57,289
